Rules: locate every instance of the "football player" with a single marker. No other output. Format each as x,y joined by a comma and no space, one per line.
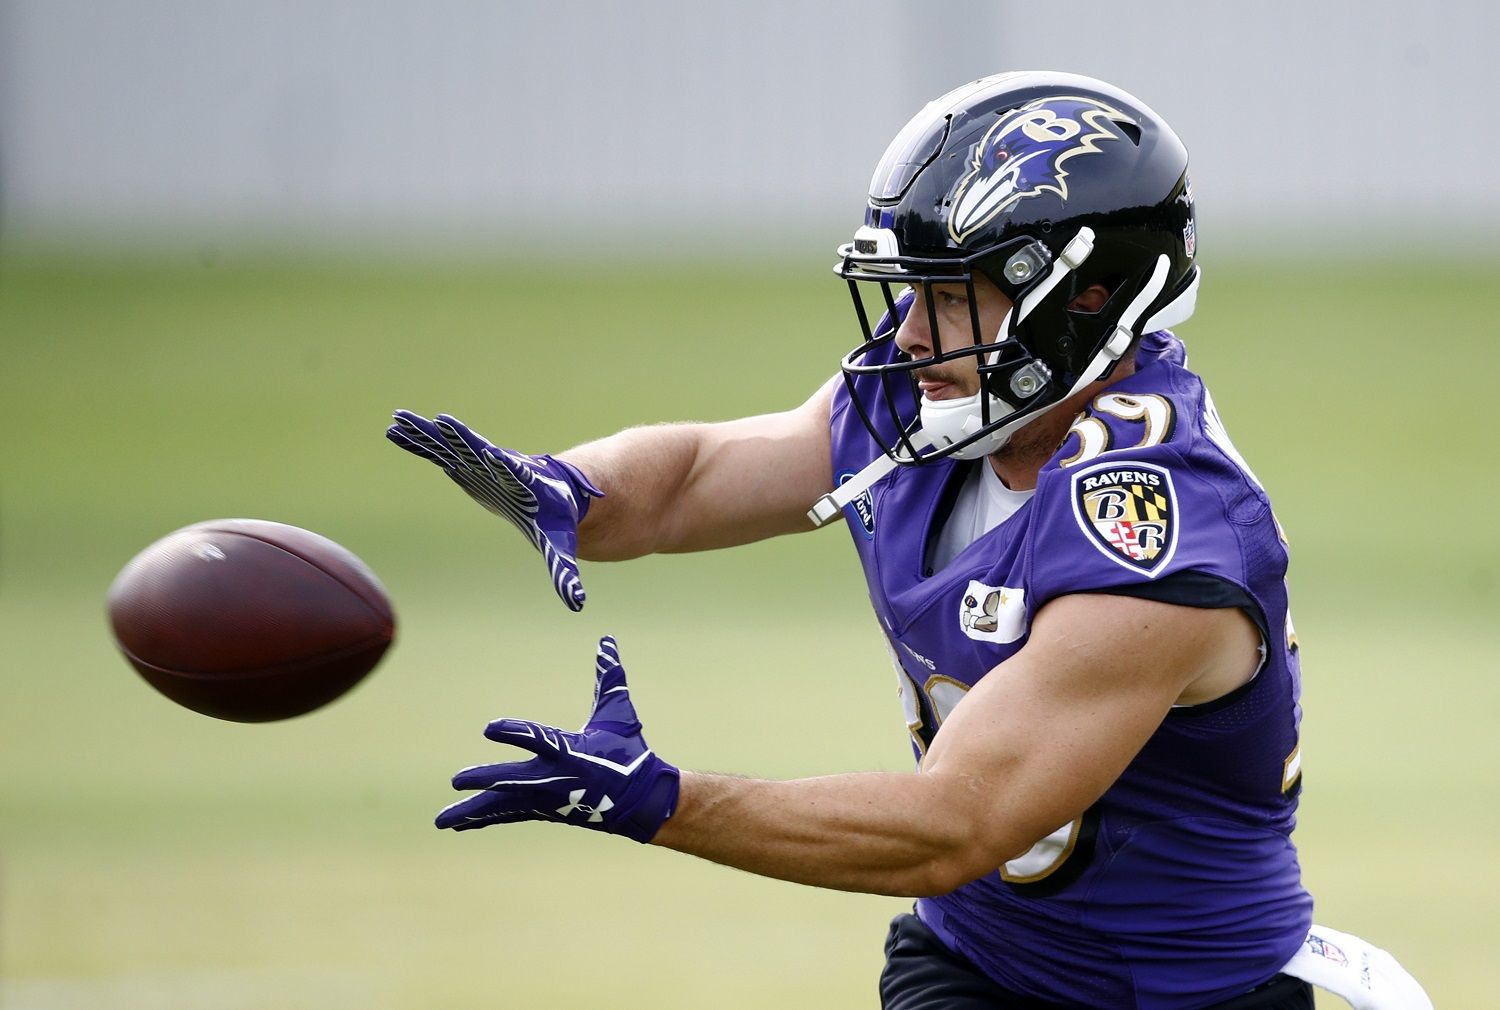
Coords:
1080,580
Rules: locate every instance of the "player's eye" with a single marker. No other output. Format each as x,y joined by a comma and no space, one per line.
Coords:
952,300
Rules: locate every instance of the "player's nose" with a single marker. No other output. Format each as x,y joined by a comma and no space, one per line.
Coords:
914,336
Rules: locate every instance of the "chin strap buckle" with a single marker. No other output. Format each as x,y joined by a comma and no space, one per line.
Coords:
1074,253
1118,342
1078,249
830,505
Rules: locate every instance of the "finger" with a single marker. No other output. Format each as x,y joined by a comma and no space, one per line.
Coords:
511,776
564,571
472,441
484,809
405,441
414,422
422,431
472,808
468,447
611,693
500,818
570,590
531,736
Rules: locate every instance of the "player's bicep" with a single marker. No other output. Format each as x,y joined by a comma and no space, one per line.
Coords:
755,477
1045,733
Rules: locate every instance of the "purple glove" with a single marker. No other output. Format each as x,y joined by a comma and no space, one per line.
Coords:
542,497
603,777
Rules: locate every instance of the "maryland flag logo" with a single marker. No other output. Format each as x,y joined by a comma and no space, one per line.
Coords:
1129,511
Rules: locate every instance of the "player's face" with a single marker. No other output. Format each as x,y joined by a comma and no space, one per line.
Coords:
959,377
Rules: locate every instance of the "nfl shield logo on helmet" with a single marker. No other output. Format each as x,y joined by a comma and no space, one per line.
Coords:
1129,512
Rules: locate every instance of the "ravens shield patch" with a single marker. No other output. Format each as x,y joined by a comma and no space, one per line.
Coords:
1129,511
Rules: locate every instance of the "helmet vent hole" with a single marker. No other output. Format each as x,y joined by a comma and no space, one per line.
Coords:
1132,132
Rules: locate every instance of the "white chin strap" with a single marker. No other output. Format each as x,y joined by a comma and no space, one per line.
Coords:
945,422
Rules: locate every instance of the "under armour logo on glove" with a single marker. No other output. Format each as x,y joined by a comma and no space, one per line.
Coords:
608,758
595,813
543,497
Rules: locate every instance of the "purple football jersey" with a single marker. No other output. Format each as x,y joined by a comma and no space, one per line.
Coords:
1180,886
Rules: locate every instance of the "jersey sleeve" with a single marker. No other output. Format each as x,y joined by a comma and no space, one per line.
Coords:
1138,517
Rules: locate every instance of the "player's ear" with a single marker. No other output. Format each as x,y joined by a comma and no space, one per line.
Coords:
1091,299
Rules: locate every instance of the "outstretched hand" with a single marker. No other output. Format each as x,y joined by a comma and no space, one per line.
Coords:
543,497
603,777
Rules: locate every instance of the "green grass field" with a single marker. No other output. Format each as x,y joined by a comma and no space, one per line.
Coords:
153,858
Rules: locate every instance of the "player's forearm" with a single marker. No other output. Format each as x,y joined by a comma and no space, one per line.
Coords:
879,833
642,472
696,487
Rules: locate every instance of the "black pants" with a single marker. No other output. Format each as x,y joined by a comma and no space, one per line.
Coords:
922,974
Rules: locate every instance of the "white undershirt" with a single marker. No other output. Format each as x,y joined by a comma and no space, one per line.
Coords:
984,502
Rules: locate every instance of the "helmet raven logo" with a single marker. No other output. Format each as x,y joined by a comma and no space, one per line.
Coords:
1023,155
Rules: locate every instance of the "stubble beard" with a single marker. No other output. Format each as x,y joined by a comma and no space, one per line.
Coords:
1031,447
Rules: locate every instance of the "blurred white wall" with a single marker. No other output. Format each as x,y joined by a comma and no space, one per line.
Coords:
514,122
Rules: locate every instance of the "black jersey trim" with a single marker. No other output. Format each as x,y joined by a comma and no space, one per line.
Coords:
1194,589
946,501
1206,592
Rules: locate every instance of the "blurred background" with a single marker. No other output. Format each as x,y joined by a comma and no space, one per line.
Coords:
233,237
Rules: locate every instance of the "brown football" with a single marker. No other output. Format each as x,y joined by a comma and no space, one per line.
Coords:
250,620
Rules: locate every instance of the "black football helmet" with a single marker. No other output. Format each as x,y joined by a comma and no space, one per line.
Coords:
1045,183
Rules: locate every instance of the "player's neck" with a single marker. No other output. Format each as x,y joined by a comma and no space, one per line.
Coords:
1021,459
